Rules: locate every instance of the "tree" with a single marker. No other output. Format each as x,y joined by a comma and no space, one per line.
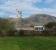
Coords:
5,26
50,28
50,25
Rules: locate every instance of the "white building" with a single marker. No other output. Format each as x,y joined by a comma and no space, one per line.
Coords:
39,28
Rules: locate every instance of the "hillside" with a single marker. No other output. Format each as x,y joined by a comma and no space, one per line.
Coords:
39,19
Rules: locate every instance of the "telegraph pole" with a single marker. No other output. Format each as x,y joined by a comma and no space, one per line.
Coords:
19,19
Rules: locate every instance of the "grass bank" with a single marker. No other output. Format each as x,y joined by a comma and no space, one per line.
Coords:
28,43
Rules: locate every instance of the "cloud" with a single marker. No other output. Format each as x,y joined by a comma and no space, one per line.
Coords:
26,6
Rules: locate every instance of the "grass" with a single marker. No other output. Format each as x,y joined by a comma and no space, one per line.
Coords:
28,43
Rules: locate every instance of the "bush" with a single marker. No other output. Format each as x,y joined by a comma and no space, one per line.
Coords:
6,27
21,32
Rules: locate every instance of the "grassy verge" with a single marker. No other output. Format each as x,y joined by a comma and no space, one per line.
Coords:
28,43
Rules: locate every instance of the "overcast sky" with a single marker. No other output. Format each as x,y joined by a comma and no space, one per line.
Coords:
28,7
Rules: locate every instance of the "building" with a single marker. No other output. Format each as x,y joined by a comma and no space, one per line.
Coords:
20,26
39,28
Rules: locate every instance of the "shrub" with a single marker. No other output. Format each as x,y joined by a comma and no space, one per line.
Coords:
21,32
6,26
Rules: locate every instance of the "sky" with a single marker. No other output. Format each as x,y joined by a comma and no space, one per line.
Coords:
28,7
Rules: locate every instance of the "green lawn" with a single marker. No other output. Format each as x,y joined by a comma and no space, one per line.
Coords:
28,43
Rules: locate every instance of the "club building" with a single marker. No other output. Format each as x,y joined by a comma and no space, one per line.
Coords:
20,26
39,28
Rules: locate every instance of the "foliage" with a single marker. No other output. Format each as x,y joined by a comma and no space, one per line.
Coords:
5,26
50,29
21,33
50,25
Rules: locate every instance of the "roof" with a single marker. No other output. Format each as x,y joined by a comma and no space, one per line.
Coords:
26,28
38,26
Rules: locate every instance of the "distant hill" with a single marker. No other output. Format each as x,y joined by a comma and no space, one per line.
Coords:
39,19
